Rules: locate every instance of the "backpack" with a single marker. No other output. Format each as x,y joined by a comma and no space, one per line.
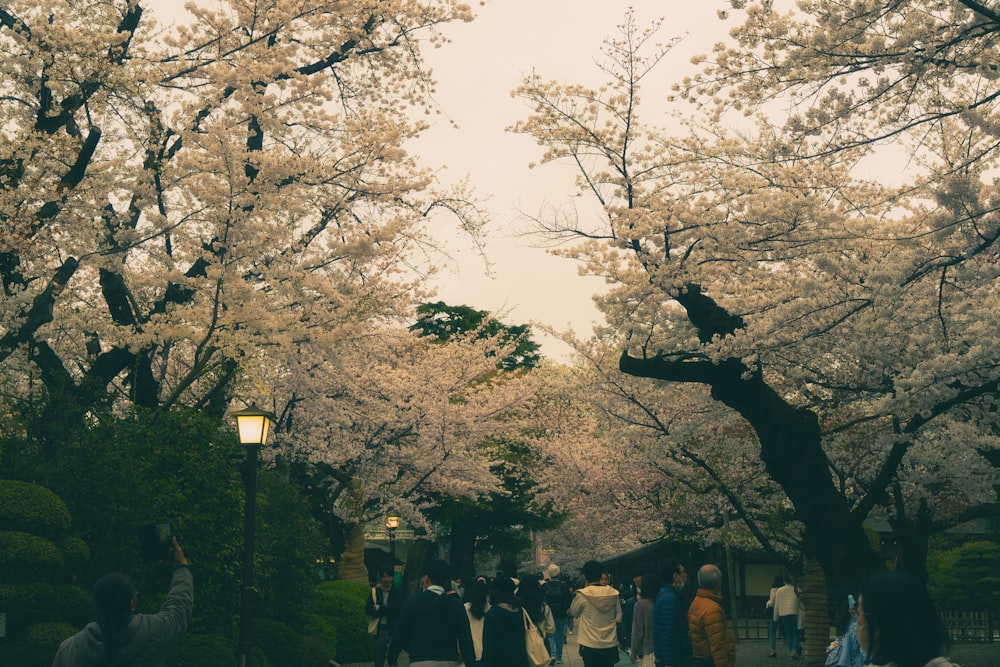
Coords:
555,597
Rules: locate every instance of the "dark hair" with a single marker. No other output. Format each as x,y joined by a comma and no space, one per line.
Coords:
650,585
778,582
477,595
386,569
437,571
112,596
592,570
508,568
670,568
532,598
902,625
502,591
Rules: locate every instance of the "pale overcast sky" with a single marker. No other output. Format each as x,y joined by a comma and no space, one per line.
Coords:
559,39
485,61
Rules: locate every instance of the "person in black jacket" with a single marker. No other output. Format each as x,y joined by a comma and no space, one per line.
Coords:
503,629
433,627
384,602
558,597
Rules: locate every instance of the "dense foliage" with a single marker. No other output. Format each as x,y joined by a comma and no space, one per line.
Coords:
780,292
177,466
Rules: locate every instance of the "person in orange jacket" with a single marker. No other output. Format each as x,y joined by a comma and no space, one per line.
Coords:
712,643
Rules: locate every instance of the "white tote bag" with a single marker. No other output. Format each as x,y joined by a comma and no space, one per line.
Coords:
538,655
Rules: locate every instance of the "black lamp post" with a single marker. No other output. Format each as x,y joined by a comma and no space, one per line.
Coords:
253,425
391,524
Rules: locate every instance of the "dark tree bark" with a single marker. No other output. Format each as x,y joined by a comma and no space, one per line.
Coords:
790,441
462,554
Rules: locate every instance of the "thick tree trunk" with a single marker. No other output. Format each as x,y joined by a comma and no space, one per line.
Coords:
816,628
352,561
462,554
792,452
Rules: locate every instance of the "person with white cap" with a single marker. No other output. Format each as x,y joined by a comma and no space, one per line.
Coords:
558,598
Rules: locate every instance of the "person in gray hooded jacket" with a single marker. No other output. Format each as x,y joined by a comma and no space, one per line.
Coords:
122,638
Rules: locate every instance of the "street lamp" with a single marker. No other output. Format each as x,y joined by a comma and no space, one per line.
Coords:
391,524
253,425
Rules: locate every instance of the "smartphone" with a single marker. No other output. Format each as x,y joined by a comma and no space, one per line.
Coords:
156,541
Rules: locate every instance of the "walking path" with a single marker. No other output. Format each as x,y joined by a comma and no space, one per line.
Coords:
571,654
753,653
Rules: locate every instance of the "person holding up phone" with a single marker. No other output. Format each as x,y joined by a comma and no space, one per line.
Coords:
120,636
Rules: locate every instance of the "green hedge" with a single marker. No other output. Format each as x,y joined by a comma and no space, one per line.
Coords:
26,595
338,613
74,604
30,508
26,557
44,634
316,652
282,645
204,651
76,557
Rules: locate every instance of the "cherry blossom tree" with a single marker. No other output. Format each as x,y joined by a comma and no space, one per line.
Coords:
849,322
649,461
184,206
400,421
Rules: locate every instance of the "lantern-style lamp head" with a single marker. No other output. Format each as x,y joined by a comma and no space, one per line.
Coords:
253,425
392,522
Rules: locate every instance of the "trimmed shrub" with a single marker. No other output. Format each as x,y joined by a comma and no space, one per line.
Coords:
45,634
26,595
204,651
76,556
26,557
29,508
341,604
319,626
316,652
282,645
74,604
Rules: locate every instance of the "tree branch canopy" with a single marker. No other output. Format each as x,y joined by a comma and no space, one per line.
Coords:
846,315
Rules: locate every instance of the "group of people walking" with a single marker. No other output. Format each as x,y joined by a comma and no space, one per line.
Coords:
893,623
486,627
483,624
784,611
890,623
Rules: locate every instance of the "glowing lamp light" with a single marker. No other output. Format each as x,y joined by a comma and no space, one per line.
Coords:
253,425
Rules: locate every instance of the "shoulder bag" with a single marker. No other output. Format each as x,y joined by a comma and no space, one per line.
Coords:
538,654
374,621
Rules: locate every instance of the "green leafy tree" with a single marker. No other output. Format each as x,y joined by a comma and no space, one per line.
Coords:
122,472
443,322
966,576
290,542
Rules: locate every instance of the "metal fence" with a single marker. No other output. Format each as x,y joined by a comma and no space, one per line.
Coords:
750,628
971,626
963,626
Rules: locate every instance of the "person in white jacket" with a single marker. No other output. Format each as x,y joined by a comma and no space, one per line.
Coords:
786,612
597,608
